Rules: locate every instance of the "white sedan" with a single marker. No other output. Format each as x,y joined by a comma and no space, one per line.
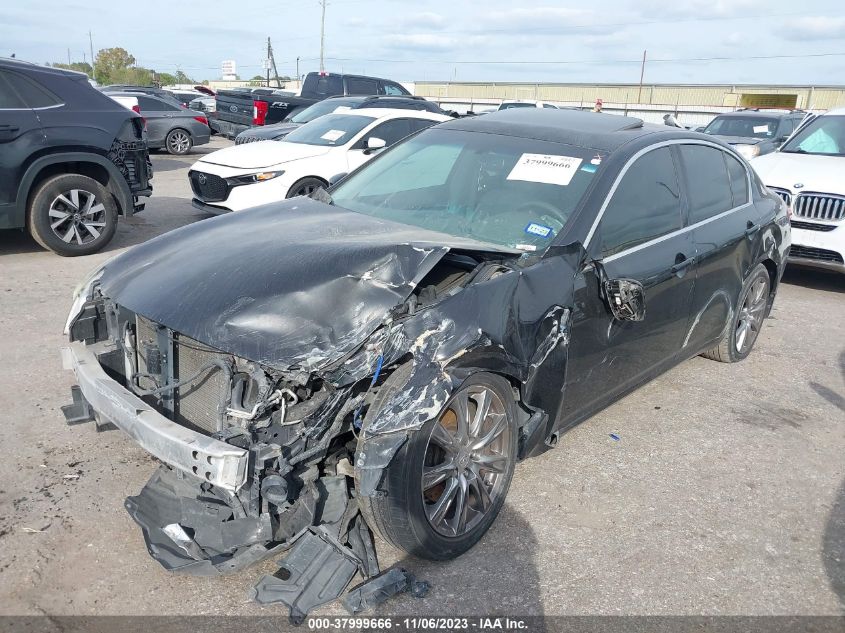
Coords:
249,175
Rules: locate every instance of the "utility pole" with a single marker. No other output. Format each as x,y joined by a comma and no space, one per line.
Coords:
297,67
68,57
642,73
322,36
91,45
267,62
273,63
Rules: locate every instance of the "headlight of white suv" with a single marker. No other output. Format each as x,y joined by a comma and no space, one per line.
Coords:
748,151
82,294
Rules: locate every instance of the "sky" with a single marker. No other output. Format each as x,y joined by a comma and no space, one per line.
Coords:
693,41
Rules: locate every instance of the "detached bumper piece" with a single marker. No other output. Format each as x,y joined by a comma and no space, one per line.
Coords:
368,595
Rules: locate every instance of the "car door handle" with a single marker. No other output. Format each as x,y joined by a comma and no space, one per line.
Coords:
682,262
751,228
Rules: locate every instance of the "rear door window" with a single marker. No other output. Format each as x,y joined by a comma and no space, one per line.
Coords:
30,92
708,185
390,88
646,204
9,100
739,180
361,86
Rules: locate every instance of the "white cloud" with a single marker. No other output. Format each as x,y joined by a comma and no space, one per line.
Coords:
424,20
354,21
654,9
813,28
546,20
421,41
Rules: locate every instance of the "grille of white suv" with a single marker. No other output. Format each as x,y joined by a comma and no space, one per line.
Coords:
819,206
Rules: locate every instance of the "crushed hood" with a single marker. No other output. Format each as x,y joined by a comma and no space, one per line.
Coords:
262,154
817,173
298,284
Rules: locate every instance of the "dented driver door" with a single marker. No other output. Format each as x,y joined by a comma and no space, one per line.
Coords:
639,237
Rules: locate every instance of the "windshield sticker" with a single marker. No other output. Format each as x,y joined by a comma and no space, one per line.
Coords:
525,247
596,160
332,135
538,229
590,167
542,168
761,129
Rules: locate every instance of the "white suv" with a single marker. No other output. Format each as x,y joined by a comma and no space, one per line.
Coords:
808,172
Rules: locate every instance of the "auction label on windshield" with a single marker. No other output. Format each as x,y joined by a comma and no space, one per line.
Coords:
543,168
333,135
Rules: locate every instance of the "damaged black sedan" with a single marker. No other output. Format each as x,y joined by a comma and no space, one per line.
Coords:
382,356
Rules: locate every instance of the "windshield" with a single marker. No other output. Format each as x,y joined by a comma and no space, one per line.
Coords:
748,126
331,129
320,108
509,191
823,135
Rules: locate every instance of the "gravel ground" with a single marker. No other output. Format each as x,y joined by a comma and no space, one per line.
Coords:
723,495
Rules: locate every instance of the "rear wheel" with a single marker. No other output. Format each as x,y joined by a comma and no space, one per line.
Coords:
305,187
446,485
747,320
178,142
72,215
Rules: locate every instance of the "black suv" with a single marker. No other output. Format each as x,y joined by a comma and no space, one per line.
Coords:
71,158
278,131
754,132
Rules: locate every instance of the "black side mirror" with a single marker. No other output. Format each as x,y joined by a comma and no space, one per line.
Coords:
337,178
625,298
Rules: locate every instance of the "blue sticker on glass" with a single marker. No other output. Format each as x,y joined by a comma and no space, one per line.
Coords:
589,167
538,230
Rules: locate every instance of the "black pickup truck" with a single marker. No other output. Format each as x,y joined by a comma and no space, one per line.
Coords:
238,110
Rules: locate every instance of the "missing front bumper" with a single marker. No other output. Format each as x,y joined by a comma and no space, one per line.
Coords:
197,455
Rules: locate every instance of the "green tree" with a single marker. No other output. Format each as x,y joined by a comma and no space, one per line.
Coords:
258,78
182,78
117,66
81,67
166,79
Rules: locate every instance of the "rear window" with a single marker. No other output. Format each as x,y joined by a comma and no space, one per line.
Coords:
323,107
330,130
323,85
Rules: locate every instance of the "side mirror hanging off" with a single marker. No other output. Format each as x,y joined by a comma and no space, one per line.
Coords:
625,298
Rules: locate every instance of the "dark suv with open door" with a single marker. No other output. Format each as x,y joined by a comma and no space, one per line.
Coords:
71,159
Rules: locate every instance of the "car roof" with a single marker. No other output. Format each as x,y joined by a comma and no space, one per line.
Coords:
385,113
572,127
834,112
19,64
774,113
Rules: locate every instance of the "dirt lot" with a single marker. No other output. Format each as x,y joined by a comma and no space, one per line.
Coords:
723,495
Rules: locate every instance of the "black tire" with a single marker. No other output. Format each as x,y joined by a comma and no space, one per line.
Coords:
54,197
751,310
400,513
178,142
305,186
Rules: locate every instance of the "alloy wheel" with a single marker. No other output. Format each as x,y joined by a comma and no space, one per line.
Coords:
178,142
76,216
466,461
306,190
751,315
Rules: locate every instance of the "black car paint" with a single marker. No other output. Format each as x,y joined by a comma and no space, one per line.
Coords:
305,276
85,129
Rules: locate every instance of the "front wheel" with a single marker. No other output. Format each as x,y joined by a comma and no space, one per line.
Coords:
305,187
446,485
747,320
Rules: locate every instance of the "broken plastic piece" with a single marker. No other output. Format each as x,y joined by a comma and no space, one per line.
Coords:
316,570
614,437
78,412
373,592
